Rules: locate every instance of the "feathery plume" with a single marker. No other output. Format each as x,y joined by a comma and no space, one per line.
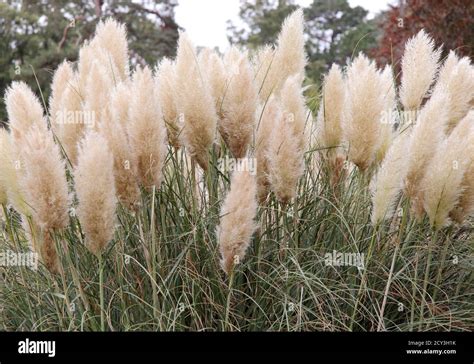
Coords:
95,188
388,116
61,79
237,219
120,104
290,56
426,136
239,105
465,206
212,66
43,180
388,182
363,109
69,121
442,183
285,160
9,174
195,104
262,62
125,163
87,56
270,115
97,93
24,110
456,76
146,131
419,66
166,80
112,36
293,106
42,243
329,131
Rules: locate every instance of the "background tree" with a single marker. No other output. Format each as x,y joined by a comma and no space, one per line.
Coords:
335,30
38,35
450,23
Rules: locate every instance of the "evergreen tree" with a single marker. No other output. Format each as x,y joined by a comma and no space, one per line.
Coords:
38,35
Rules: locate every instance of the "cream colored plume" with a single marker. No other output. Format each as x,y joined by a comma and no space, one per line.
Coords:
70,129
237,219
290,56
6,166
239,105
285,160
99,85
329,132
419,67
196,106
457,78
87,55
426,136
125,161
95,188
270,115
212,67
24,110
112,36
443,182
364,105
465,206
42,243
294,107
262,62
146,129
9,171
388,182
388,114
43,180
120,104
167,97
61,82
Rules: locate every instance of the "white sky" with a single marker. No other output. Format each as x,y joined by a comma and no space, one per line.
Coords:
206,20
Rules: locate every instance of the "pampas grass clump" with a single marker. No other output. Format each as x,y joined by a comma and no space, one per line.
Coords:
211,197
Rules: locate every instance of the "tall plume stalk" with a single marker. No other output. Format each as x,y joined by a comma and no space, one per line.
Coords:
44,186
271,115
95,189
426,135
238,105
285,160
419,67
65,107
196,104
442,183
364,105
289,57
237,219
146,129
166,84
456,78
125,160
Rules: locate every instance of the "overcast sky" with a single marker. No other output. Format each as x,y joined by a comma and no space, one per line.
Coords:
205,20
